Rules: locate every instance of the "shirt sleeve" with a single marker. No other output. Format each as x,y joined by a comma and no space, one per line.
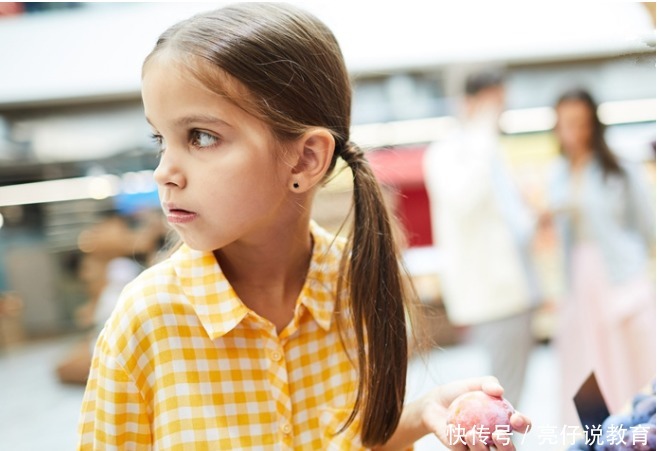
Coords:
114,415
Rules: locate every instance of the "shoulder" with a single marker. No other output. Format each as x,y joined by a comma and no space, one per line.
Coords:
151,284
438,150
635,177
432,156
441,159
141,302
631,169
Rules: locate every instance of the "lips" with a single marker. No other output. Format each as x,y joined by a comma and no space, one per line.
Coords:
177,215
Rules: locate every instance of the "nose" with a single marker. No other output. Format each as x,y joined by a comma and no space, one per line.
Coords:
169,172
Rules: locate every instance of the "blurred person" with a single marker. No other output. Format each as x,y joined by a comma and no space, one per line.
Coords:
114,254
117,235
262,330
484,230
74,367
606,224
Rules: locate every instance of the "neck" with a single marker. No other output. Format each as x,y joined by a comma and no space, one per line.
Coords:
579,158
268,269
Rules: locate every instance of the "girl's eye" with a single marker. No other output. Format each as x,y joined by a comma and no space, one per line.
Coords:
202,139
159,143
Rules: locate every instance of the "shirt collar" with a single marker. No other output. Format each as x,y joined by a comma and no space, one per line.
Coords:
319,291
220,309
214,300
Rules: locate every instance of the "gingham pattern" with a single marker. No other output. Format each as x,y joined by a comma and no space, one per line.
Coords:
184,364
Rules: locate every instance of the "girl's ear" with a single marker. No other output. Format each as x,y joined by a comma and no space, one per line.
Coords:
312,155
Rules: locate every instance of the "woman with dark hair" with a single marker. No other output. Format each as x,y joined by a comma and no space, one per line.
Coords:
606,226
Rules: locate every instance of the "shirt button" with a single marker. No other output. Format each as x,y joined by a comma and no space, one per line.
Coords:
286,428
275,356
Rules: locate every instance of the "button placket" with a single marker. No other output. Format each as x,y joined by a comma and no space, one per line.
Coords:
275,355
278,378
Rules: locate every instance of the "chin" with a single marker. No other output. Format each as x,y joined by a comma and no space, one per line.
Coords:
196,245
204,245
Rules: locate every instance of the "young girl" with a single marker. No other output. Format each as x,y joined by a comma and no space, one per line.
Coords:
261,331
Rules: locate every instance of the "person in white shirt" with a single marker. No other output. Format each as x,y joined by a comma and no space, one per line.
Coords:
484,231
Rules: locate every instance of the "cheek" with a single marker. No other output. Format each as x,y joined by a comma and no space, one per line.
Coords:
564,134
570,135
252,188
581,136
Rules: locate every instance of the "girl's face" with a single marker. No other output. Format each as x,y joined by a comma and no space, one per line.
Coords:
574,127
219,178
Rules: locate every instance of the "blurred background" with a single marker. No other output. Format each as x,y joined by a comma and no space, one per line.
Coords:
79,213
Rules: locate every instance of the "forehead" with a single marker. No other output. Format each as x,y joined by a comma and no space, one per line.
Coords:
185,87
194,69
574,108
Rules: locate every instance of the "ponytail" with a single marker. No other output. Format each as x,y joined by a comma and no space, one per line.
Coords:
376,291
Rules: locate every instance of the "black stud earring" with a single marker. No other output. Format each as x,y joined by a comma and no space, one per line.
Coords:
295,185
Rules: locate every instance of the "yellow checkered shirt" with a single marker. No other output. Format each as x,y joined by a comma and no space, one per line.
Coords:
184,364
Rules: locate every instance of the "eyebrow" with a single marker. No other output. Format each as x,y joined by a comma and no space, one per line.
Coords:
195,119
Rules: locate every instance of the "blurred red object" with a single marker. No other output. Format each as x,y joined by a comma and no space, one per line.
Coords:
401,169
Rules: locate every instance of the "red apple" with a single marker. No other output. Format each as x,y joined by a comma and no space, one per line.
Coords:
483,412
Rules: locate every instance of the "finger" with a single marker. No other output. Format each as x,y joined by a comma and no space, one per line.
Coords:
502,441
474,442
492,387
520,423
459,447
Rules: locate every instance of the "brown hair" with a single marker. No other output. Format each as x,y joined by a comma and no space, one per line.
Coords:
601,150
292,69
